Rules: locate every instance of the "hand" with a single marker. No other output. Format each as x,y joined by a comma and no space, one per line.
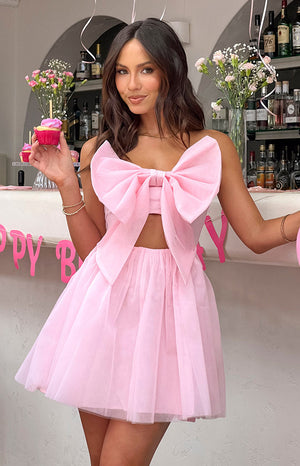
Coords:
56,164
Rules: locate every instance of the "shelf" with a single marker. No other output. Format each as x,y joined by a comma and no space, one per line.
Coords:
285,63
277,134
92,85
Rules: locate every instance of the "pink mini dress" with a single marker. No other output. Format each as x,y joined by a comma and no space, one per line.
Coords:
135,334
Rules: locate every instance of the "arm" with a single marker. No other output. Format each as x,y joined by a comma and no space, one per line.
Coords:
258,234
88,225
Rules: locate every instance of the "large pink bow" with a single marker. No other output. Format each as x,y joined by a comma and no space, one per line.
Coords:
186,193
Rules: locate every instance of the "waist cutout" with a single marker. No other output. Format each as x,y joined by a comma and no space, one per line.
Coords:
155,202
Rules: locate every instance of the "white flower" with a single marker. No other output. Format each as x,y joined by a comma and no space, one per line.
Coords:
199,62
229,78
218,56
252,88
216,107
266,60
234,56
261,75
247,66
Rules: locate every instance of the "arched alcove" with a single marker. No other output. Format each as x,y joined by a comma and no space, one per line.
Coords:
237,31
67,47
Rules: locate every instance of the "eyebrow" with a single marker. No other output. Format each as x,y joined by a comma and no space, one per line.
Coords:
138,66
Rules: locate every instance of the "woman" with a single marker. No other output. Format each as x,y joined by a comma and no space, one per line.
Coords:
134,339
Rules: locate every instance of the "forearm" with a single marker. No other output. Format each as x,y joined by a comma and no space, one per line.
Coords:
84,233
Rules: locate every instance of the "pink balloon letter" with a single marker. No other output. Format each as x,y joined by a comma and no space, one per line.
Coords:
33,257
66,261
200,255
3,238
219,241
16,234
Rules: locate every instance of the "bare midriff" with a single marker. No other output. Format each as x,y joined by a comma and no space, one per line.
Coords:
152,235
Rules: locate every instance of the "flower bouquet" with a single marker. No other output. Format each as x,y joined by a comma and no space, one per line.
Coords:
237,76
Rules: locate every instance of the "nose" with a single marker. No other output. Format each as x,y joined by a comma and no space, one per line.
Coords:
134,82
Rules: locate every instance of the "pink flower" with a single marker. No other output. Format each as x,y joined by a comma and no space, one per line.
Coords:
43,80
51,75
234,56
199,62
229,78
60,80
266,60
252,88
32,83
54,85
27,78
35,73
270,79
48,71
247,66
216,107
218,57
68,73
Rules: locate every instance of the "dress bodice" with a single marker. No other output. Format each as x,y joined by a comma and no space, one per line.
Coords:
130,193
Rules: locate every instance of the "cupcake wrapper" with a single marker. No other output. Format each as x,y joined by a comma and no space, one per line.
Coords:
47,138
25,156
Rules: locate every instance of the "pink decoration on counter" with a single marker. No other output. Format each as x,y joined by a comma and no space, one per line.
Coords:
218,240
33,256
17,255
3,238
66,261
298,246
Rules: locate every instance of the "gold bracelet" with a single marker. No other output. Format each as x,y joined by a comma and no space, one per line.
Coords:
76,211
74,205
282,230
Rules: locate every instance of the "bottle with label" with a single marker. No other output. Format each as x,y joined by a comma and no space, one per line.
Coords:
295,175
261,112
277,106
292,118
250,109
97,67
74,122
85,123
297,106
271,114
96,117
270,168
251,172
261,166
284,32
270,37
253,54
283,176
83,68
285,99
296,33
260,45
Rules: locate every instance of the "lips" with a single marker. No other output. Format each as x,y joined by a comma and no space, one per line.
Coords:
136,99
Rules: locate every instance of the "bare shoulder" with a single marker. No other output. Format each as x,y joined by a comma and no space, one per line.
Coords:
87,152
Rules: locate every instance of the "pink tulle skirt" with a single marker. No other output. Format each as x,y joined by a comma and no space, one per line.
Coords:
145,349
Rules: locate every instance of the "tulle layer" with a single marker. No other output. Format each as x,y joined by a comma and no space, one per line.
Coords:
146,349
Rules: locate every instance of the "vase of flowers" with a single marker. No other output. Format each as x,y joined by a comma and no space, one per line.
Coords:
237,77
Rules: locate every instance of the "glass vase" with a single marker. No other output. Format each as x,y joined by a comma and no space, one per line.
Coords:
238,134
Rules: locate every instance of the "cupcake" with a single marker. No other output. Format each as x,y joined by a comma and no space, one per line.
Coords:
74,155
25,153
48,132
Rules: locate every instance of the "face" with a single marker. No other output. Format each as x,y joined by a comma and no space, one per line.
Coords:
138,79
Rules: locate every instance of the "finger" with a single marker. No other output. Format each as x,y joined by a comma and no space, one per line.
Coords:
33,139
63,143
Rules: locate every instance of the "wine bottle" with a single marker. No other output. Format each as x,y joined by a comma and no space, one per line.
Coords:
296,33
284,32
96,69
83,68
270,37
260,44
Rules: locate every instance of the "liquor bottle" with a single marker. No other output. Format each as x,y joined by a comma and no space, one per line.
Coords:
251,172
85,123
261,166
97,67
295,175
253,54
271,114
296,33
74,122
270,168
96,117
292,117
260,45
283,176
261,112
83,68
278,106
250,108
297,106
285,98
284,32
270,37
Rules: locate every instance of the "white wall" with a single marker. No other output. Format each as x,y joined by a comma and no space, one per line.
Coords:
28,31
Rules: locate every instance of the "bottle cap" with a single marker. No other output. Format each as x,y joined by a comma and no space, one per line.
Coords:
272,147
262,147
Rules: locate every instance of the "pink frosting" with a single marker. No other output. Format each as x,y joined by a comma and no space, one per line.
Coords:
26,147
51,123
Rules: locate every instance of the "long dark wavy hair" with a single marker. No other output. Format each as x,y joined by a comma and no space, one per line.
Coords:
176,103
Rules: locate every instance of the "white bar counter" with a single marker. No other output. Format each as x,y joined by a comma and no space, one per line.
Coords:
39,213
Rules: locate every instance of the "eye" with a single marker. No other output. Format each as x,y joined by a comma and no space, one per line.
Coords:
121,71
147,70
